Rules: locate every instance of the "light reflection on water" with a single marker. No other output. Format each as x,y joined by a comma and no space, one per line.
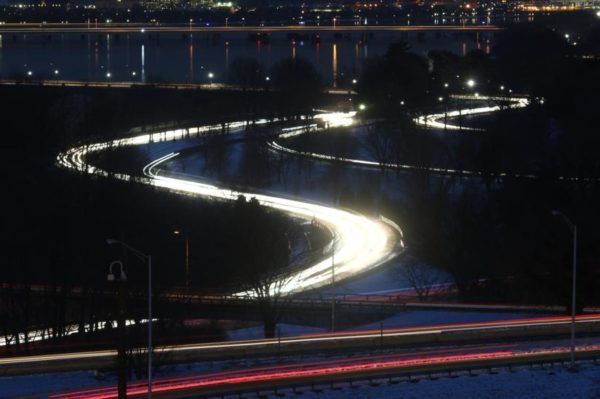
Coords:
189,58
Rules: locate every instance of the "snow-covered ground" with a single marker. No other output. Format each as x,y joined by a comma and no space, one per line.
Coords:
257,332
523,383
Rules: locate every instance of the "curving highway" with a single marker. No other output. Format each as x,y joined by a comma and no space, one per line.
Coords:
361,243
433,121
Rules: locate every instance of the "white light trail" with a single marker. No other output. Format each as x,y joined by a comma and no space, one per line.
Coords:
437,120
363,243
428,121
503,325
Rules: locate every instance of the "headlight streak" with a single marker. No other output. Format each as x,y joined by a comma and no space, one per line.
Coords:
334,337
427,121
436,120
363,243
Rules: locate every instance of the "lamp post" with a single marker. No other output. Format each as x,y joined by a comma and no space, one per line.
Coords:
573,228
148,260
120,279
333,281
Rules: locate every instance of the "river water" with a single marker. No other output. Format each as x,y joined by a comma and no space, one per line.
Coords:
190,58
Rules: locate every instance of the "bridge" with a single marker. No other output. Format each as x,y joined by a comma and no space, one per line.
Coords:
83,28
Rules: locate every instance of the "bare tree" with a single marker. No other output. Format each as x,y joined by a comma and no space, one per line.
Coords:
260,257
422,278
378,143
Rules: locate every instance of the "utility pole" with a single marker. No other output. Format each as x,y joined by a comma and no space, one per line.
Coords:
187,262
573,228
122,346
573,297
187,256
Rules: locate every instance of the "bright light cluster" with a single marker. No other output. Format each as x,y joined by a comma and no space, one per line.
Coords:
337,119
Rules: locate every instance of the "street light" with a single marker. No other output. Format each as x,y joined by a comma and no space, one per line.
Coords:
210,77
471,83
148,260
120,279
111,274
573,228
333,281
362,107
56,71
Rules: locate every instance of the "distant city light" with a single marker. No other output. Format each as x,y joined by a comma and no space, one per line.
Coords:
108,74
56,71
267,78
354,81
446,85
440,99
476,94
501,87
566,36
362,107
29,73
133,73
471,83
211,75
143,30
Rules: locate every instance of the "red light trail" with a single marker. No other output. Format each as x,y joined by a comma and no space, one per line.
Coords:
262,375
